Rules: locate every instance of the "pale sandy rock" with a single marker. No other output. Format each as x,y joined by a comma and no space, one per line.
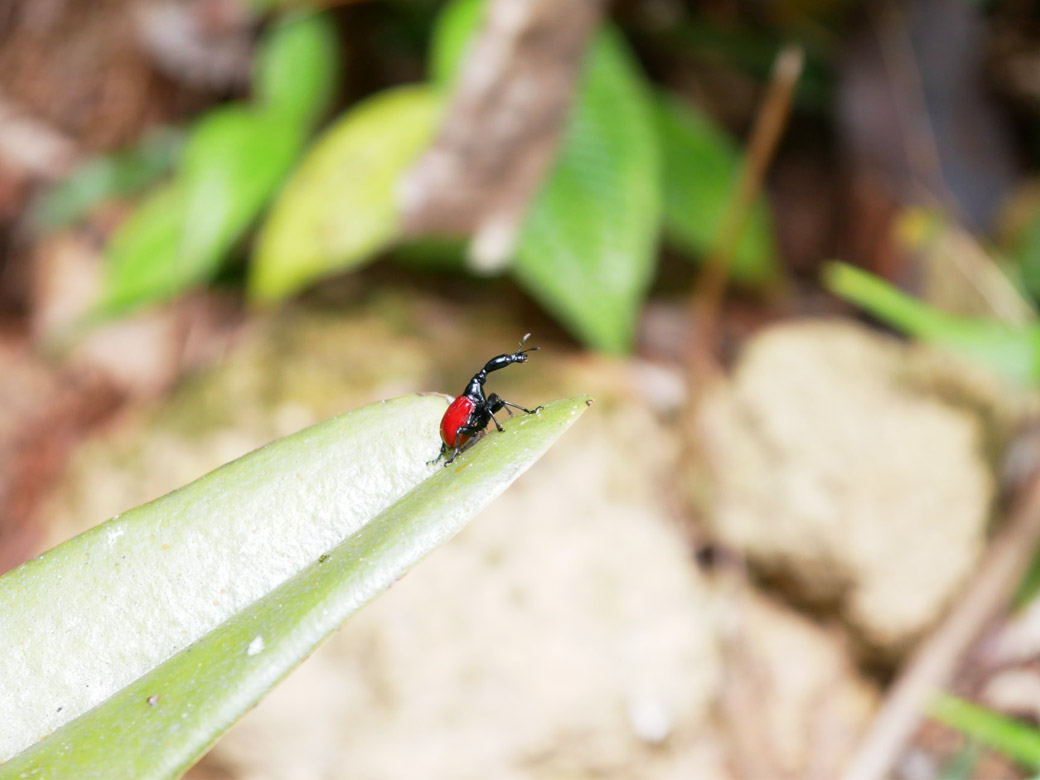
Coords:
796,703
839,467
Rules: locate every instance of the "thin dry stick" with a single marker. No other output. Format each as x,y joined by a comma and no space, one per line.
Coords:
933,664
769,126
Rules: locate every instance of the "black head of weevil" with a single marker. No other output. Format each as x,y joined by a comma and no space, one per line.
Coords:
471,412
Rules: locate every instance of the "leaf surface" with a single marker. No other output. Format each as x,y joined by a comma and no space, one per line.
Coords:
216,591
588,247
234,160
298,67
701,169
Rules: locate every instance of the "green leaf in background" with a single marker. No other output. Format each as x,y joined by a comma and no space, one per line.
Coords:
700,172
432,253
1013,739
234,163
340,206
142,257
456,24
216,591
587,249
118,175
297,67
1013,353
235,159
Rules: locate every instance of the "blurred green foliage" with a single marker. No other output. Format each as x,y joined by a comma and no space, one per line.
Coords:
235,159
340,206
1011,352
106,177
701,168
632,164
587,248
626,167
454,29
296,69
198,669
1014,739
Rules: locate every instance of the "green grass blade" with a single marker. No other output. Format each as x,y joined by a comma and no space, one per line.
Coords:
1011,352
888,303
1014,739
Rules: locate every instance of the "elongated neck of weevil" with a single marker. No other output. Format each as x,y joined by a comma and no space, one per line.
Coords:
495,364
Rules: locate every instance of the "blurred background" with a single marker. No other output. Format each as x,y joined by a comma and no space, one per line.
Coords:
792,249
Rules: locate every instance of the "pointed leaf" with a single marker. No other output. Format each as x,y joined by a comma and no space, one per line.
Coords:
217,590
588,246
701,168
340,206
142,256
233,162
297,67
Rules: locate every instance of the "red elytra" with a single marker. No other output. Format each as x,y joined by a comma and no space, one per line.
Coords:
470,413
457,416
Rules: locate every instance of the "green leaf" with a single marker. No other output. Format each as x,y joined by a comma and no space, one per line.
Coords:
297,67
216,591
456,25
233,162
142,257
701,169
1015,740
587,249
340,206
1014,353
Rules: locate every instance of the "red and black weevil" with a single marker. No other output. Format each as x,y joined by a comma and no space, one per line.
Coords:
471,412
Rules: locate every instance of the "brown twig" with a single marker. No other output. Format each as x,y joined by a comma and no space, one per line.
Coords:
769,127
934,662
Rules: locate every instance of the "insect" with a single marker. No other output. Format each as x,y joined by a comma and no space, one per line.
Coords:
471,412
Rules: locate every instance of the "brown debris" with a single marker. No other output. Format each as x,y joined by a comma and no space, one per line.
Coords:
43,414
